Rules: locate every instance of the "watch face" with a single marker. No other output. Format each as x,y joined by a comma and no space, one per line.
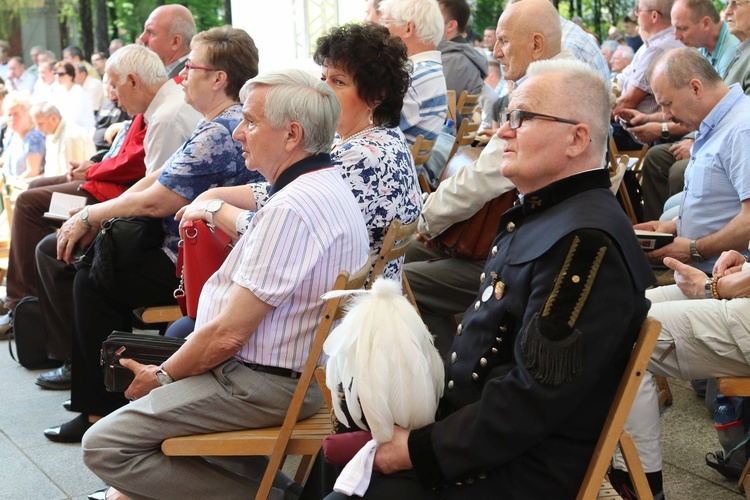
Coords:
213,205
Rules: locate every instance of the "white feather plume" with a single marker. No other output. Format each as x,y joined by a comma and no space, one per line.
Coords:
384,358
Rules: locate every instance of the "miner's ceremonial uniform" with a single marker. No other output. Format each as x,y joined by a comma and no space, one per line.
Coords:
536,362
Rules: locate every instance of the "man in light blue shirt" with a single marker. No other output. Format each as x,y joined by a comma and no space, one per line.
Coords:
714,216
714,213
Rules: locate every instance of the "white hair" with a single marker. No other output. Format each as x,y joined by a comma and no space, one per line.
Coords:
140,61
296,95
588,96
425,14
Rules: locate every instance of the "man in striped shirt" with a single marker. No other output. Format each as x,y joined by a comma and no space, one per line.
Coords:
257,315
419,24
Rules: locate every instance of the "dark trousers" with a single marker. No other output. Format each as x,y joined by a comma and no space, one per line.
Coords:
28,228
98,310
663,176
55,291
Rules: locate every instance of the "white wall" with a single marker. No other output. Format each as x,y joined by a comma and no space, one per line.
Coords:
272,25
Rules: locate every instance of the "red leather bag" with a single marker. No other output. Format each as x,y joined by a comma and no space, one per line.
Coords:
202,250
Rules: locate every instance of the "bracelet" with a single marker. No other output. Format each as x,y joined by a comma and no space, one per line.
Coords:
715,286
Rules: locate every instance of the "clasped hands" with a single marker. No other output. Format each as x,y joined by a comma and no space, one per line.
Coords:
692,281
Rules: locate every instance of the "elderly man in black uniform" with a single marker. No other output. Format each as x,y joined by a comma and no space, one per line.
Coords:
536,362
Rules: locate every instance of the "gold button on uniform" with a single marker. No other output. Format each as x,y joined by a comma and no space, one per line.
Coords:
450,385
510,227
482,277
459,329
476,306
454,357
499,340
483,362
494,251
474,376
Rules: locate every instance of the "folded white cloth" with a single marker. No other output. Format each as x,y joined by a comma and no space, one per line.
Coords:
355,478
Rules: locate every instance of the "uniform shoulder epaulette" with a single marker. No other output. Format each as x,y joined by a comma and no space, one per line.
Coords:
551,344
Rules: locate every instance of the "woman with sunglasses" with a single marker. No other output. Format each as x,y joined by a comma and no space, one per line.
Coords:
70,98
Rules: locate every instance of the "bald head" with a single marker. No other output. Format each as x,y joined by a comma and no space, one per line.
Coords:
527,31
168,32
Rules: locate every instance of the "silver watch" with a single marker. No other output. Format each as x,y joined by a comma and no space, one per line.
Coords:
85,216
212,207
162,376
695,256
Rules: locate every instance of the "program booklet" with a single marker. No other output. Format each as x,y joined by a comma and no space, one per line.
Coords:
651,240
61,204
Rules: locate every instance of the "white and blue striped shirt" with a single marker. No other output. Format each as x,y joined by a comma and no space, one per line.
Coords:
425,103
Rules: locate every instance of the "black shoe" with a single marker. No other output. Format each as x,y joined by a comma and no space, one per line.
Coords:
69,432
56,380
66,405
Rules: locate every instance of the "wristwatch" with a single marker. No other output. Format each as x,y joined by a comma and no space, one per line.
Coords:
85,216
212,207
707,286
163,377
694,255
664,131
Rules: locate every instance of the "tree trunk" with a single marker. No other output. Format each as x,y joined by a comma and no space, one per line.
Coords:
228,11
87,28
112,25
102,34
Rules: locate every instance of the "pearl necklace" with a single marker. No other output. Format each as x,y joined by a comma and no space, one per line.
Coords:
341,141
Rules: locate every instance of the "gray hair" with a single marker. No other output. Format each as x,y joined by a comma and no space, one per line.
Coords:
18,98
140,61
425,14
295,95
610,45
588,96
45,109
627,51
681,65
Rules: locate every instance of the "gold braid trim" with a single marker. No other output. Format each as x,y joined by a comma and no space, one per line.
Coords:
587,287
558,282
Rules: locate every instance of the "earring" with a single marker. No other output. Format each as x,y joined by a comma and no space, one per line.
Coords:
371,122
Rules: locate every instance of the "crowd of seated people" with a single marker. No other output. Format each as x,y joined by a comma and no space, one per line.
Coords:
306,173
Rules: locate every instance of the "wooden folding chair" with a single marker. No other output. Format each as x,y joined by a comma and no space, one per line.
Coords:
637,154
738,387
396,243
466,134
613,433
292,438
421,151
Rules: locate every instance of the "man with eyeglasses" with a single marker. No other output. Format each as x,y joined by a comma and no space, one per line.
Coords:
654,26
537,348
419,24
442,285
663,169
699,338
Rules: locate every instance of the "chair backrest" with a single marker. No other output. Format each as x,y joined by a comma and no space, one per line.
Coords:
421,150
466,134
467,104
331,313
635,154
617,169
612,433
395,244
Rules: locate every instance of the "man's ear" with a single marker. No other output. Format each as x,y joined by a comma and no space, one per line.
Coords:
294,136
133,81
538,46
580,140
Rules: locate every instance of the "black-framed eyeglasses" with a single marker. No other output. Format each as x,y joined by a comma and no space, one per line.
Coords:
516,117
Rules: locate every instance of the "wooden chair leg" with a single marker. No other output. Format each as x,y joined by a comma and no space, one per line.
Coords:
665,394
744,482
635,468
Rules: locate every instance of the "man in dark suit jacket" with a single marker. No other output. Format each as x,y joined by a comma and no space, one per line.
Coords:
537,359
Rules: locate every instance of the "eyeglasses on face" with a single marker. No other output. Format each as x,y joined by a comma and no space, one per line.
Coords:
386,22
190,67
60,73
516,117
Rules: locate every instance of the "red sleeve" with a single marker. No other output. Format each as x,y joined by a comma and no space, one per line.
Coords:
127,166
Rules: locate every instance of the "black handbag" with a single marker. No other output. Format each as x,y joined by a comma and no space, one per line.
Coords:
122,244
143,348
